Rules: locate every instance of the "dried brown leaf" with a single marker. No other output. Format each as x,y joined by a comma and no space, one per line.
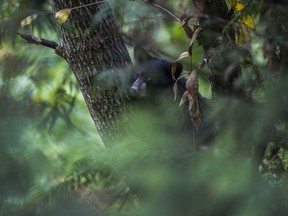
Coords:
173,70
192,84
195,35
195,114
175,87
191,96
184,99
182,56
183,73
175,90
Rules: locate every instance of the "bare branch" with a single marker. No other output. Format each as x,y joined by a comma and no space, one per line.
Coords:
164,9
38,41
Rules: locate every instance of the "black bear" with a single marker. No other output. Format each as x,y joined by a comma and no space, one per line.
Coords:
153,86
152,73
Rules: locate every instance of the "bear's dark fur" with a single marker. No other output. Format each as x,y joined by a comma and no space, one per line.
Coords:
152,73
153,88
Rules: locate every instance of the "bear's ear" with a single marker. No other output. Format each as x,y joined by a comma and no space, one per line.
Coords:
140,55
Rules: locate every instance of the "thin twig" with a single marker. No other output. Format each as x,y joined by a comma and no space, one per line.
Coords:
87,5
165,10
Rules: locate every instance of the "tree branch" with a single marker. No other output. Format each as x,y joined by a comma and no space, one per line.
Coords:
38,41
31,39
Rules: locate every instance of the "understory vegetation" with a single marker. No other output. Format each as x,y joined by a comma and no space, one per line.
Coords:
54,162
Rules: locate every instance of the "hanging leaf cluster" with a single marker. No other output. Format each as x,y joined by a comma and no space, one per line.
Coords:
243,25
191,96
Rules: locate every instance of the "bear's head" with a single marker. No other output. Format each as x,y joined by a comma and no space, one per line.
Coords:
151,73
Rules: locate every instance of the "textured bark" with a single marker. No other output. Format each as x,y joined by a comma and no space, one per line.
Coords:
95,51
275,47
220,48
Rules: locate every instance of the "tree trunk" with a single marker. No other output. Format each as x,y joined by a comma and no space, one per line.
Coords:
96,53
218,41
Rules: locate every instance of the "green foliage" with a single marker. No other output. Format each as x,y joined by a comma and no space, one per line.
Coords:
221,180
54,163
